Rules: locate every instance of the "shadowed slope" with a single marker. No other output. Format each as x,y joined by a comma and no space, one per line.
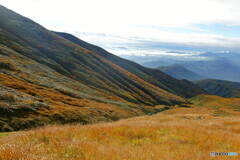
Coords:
32,94
79,63
154,76
45,78
220,88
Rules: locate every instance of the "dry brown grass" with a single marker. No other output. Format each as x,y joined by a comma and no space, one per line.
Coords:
176,134
46,105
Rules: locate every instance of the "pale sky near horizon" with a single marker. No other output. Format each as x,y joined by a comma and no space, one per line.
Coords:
152,25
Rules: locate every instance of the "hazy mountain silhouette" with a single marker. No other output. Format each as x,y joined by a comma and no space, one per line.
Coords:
179,72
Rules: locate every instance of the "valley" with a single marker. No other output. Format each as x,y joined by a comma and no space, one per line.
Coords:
64,98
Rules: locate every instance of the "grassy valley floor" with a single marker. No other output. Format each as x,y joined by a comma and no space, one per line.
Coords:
175,134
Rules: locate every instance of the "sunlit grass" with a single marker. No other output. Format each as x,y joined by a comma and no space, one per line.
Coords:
180,133
4,134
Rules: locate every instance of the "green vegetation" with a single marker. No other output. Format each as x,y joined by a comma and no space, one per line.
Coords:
179,87
221,88
55,78
8,65
50,79
94,69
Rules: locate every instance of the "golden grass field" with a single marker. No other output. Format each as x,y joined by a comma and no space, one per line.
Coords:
176,134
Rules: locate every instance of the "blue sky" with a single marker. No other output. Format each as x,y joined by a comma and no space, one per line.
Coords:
221,29
146,26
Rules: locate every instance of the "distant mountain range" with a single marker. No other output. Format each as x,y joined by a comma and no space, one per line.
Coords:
223,66
215,68
220,88
180,72
52,77
227,89
156,63
223,70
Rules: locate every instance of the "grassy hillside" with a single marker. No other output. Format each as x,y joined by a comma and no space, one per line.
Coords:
32,94
154,76
79,63
179,133
220,88
219,106
46,78
179,72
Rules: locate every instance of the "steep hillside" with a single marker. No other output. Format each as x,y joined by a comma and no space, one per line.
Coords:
179,72
220,88
45,78
32,94
154,76
76,62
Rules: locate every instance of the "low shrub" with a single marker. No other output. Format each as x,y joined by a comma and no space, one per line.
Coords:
8,65
9,97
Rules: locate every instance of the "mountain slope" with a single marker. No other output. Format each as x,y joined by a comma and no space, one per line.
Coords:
220,88
154,76
179,72
33,94
45,78
79,63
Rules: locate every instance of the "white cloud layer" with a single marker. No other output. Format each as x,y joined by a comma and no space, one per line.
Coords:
125,18
170,13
